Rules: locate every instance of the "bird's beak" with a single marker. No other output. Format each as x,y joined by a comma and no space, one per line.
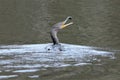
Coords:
64,22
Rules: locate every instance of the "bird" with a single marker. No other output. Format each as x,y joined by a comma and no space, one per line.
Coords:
53,33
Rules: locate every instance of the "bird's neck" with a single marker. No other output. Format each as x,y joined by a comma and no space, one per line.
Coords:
54,37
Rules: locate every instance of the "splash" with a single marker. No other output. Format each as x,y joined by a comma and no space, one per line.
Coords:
37,56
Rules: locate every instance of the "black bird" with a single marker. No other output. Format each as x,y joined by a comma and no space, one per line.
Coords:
56,28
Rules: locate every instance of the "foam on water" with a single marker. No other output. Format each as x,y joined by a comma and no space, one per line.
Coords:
7,76
26,71
37,56
34,76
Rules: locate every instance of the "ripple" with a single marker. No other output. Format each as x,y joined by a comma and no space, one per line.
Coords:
26,71
7,76
34,76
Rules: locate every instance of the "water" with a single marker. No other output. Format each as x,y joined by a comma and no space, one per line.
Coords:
25,26
33,58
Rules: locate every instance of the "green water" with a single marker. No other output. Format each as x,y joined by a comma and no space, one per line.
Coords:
96,23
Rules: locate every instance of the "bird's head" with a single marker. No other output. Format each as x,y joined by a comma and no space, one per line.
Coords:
63,24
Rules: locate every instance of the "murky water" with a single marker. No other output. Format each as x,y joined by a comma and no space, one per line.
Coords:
25,26
34,58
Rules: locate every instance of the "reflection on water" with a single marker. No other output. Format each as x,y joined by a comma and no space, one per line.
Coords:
32,58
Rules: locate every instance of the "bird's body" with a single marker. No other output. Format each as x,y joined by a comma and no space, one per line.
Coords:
54,31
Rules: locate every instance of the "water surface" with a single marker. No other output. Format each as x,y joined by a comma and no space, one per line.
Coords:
17,60
25,26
